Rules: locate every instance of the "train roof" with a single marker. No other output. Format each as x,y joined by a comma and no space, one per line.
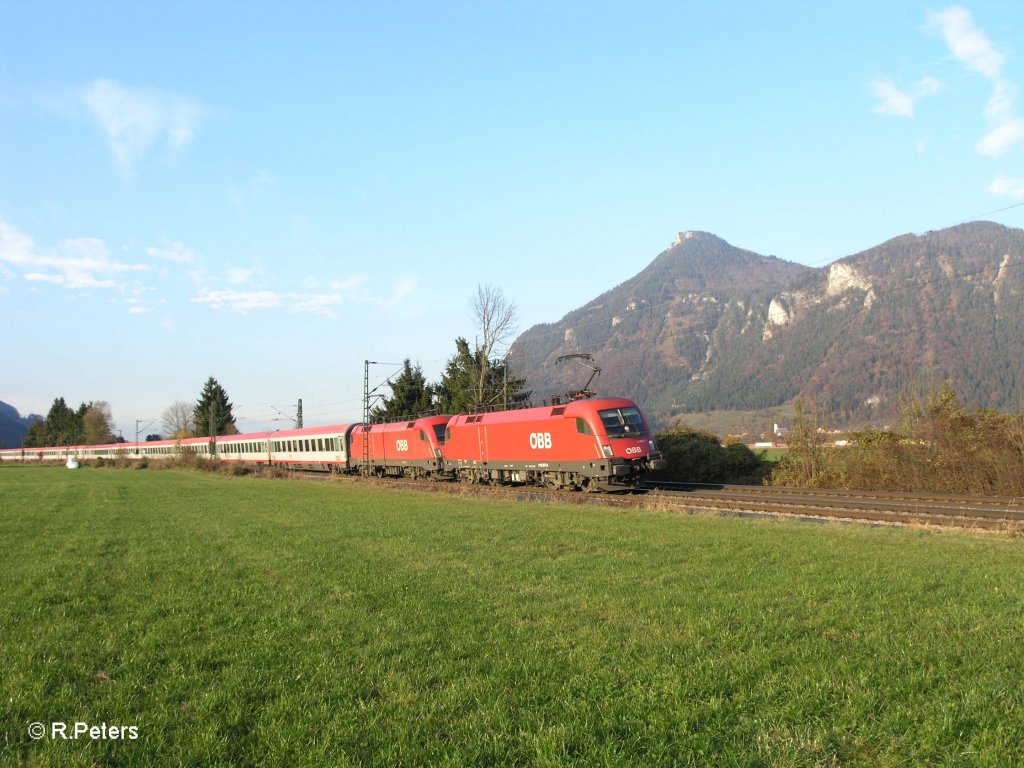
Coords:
396,426
287,434
568,409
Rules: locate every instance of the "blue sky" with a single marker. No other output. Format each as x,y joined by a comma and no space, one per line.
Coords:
271,193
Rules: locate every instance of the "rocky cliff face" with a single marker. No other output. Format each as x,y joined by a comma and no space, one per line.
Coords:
707,326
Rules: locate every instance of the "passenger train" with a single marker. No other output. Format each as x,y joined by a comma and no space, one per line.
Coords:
594,444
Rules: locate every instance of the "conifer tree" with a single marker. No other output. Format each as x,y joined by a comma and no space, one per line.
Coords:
213,408
472,383
62,426
411,395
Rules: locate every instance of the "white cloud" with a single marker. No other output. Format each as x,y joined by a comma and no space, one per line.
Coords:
900,103
137,305
1003,186
16,247
975,51
176,252
1001,139
309,301
243,302
238,301
403,290
77,263
239,275
1001,102
134,120
968,44
350,284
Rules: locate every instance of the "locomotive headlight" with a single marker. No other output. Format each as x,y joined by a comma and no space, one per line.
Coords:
607,451
651,443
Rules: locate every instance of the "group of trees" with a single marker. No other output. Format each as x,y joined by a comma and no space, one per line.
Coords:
470,382
474,379
93,424
90,424
212,414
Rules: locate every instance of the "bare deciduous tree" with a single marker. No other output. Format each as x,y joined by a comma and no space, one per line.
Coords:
495,318
178,420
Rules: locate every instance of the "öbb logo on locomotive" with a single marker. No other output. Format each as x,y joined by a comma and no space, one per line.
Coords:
540,440
590,444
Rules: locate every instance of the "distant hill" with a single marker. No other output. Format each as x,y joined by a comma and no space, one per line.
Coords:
709,327
12,426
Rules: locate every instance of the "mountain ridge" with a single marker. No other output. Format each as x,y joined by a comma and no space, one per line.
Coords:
13,425
707,326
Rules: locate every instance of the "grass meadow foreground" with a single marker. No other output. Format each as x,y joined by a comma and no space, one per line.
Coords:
240,621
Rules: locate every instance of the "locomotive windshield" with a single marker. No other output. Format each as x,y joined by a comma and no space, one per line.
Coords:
439,431
623,422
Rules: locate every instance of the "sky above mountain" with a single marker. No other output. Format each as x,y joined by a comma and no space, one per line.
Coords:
272,193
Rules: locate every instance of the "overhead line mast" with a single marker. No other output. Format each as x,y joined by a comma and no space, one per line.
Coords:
366,414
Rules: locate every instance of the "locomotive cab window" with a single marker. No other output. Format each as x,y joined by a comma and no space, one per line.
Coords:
623,422
582,427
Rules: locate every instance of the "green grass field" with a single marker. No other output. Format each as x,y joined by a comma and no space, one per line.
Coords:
240,621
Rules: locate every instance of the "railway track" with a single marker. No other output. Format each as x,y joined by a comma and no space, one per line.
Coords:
933,510
994,513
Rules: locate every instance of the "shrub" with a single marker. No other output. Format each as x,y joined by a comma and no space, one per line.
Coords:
697,456
941,447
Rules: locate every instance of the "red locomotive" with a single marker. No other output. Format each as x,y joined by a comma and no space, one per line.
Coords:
593,444
398,449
